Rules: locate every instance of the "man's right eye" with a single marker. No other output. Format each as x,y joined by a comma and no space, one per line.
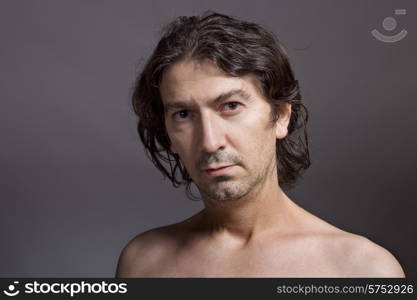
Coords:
182,114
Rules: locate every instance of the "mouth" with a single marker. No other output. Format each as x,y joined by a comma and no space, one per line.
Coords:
219,170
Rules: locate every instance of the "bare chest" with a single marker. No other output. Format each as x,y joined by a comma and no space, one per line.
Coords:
283,261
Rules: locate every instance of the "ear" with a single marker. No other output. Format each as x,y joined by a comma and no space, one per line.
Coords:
173,150
284,116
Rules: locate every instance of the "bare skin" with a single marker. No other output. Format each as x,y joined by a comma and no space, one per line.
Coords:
315,249
249,227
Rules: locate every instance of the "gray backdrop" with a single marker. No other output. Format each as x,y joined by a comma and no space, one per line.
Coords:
75,184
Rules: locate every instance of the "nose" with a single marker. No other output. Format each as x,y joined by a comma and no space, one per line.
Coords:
212,134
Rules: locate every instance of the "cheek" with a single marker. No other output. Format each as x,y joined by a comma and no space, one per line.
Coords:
256,145
255,133
181,145
260,145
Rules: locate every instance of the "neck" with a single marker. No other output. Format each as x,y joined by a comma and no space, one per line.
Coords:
263,210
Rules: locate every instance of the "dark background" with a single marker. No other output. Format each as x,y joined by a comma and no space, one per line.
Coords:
75,184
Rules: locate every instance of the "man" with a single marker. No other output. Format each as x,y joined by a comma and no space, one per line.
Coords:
219,107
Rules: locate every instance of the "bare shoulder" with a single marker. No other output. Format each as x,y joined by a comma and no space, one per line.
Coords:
348,254
145,251
358,256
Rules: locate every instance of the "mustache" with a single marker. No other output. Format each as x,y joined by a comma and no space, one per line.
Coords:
219,157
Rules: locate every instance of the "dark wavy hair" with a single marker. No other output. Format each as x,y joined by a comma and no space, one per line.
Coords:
238,48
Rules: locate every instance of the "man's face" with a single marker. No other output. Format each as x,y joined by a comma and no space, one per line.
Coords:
220,126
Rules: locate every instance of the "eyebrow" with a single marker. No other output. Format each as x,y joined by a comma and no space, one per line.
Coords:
177,104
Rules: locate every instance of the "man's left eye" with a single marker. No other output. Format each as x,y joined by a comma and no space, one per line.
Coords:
231,105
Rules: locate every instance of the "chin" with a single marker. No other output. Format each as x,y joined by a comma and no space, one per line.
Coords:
225,191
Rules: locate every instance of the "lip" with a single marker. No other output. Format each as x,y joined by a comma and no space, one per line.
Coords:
220,170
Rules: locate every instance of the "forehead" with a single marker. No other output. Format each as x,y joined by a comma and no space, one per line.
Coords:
201,81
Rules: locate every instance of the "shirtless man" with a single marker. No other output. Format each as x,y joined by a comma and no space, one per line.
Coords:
218,97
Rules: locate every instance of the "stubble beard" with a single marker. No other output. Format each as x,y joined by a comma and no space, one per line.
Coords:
223,189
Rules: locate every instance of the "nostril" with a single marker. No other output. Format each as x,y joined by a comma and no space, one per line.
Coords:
212,134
